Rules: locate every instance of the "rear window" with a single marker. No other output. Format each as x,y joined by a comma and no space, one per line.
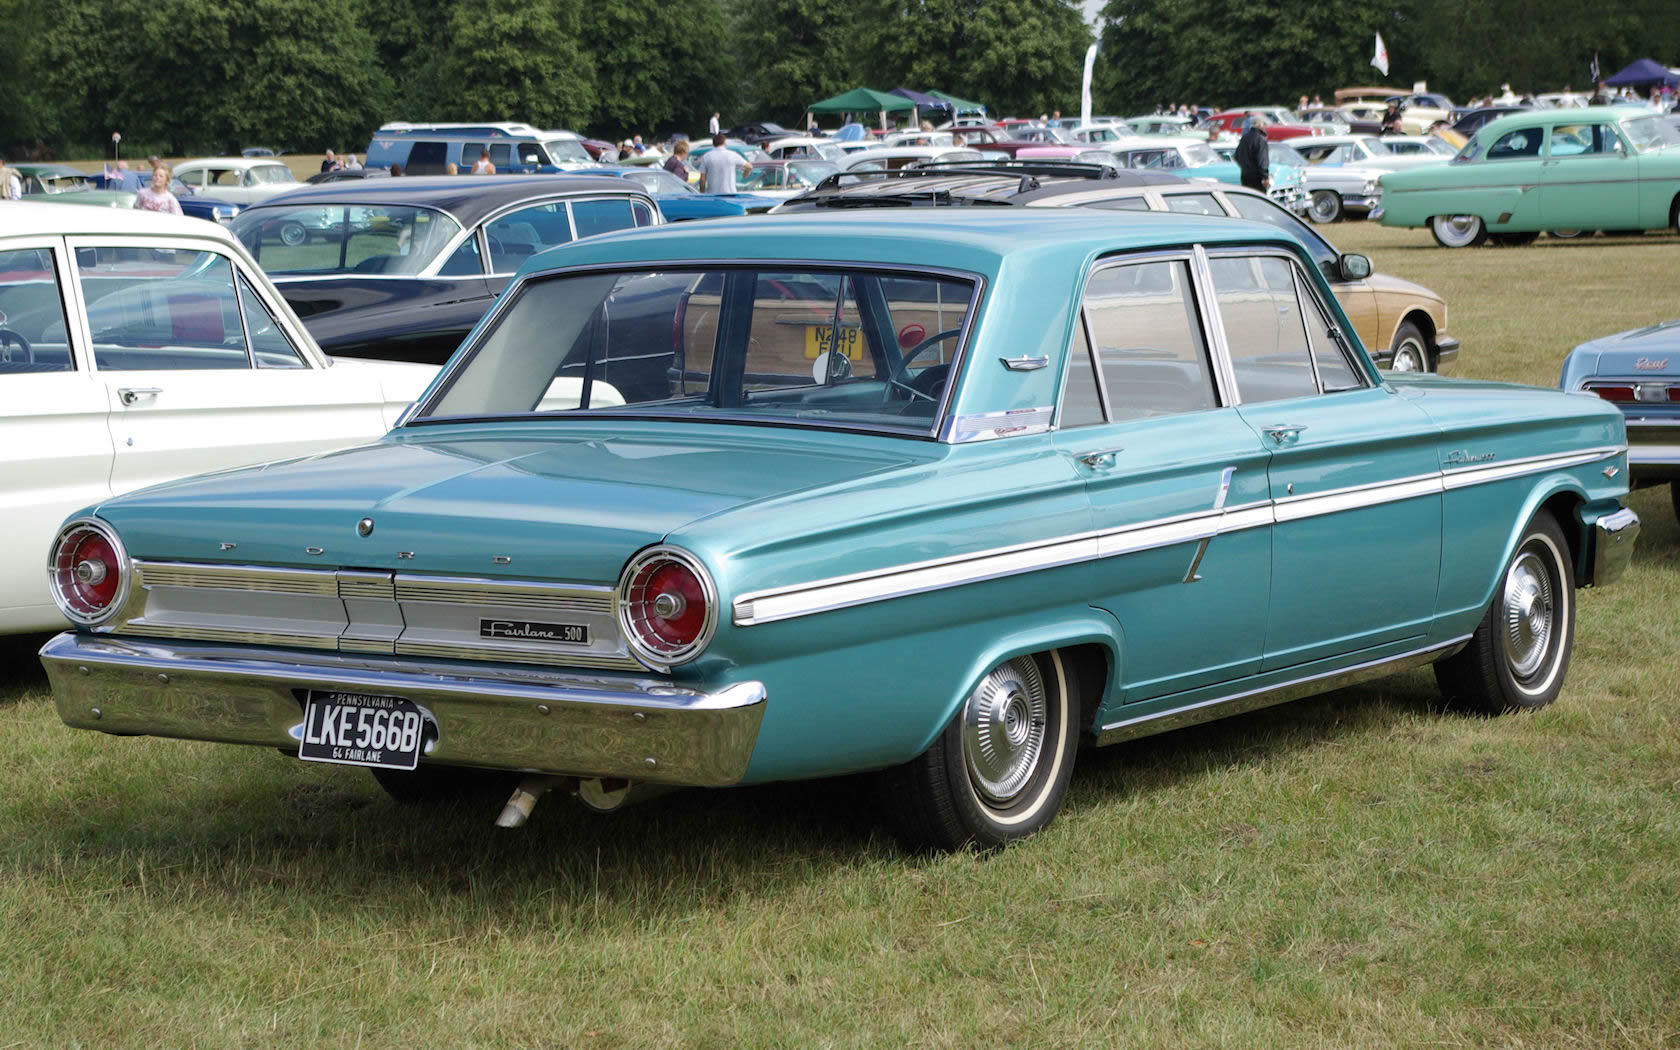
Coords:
331,239
820,347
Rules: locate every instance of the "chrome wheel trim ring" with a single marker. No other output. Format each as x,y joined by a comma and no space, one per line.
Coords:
1408,357
1457,230
1005,724
1528,614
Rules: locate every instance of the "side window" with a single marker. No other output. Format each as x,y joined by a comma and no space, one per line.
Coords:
519,235
1262,209
1081,401
32,324
602,216
161,309
1148,341
1263,327
1121,204
1194,204
269,345
1524,142
501,154
469,155
464,261
642,213
1574,140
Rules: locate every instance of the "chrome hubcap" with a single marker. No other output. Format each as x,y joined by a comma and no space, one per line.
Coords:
1004,725
1530,615
1457,227
1408,358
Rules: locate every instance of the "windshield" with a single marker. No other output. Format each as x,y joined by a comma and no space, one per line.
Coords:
568,151
1376,147
658,180
806,173
1649,133
818,347
271,174
331,239
1196,154
1286,157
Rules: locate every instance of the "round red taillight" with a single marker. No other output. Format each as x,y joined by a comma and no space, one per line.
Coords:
667,606
88,571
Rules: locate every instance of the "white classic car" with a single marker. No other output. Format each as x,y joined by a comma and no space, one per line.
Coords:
242,180
137,348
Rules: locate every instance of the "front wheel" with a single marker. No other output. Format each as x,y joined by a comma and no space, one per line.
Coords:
1411,353
999,770
1326,206
1458,231
1516,659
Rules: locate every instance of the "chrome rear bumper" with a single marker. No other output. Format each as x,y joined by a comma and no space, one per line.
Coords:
494,716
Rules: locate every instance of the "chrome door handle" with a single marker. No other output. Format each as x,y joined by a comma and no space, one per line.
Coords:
1100,460
1284,433
131,394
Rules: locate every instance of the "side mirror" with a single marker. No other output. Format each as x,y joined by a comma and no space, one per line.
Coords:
1354,267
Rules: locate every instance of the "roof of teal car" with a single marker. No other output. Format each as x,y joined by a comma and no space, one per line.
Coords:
969,239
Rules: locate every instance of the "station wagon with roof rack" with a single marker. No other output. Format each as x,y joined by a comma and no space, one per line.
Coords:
939,496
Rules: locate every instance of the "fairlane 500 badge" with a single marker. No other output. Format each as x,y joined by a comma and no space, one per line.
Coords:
1650,364
527,631
1458,457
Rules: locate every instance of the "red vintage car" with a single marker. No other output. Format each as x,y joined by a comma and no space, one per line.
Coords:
1280,123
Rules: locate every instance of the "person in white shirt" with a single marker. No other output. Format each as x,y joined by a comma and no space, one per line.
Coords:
712,127
719,167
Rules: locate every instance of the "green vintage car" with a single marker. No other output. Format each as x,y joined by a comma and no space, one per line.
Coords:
1602,168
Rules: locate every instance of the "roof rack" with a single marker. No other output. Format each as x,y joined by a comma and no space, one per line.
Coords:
487,128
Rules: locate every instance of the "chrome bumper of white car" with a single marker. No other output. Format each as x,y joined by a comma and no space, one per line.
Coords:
527,719
1292,197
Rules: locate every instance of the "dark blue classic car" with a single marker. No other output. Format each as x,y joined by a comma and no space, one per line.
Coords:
1639,373
401,269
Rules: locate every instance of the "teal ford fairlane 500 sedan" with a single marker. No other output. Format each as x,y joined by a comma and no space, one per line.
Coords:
1602,168
943,496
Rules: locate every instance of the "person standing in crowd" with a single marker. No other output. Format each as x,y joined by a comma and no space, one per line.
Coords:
712,126
157,197
330,163
352,164
1391,118
396,170
719,167
677,162
483,165
11,182
1254,159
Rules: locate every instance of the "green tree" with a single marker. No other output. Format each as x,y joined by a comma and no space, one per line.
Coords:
791,53
514,60
1019,56
664,62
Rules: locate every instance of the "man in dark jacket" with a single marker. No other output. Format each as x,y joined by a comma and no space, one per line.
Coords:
1253,155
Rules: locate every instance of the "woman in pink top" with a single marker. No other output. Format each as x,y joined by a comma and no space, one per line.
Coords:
157,197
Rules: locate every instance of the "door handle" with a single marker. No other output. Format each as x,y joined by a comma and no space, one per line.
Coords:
1100,460
1284,433
132,394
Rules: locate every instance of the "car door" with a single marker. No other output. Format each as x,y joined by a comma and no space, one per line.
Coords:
1354,474
55,451
202,369
1176,481
1589,178
1507,174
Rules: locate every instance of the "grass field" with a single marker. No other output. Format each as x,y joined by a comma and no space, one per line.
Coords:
1357,870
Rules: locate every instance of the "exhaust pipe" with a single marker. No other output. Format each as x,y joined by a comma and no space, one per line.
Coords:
605,796
524,799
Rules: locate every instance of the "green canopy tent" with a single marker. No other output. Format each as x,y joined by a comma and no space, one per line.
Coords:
959,106
864,100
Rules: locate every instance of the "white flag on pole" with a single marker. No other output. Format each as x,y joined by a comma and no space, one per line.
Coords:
1085,91
1380,59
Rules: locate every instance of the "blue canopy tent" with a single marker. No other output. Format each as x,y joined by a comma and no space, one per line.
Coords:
1644,72
923,100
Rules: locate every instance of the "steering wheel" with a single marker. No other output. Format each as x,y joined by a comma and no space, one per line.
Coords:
914,352
9,339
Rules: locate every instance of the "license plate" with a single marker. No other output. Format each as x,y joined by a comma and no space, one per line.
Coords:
819,340
360,729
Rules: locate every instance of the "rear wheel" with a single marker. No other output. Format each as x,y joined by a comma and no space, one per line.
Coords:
1458,231
999,770
1411,352
293,234
1326,206
1517,657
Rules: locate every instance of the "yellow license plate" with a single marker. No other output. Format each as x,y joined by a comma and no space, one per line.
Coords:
819,340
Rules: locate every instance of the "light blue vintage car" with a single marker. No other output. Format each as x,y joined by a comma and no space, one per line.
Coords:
945,496
1638,372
